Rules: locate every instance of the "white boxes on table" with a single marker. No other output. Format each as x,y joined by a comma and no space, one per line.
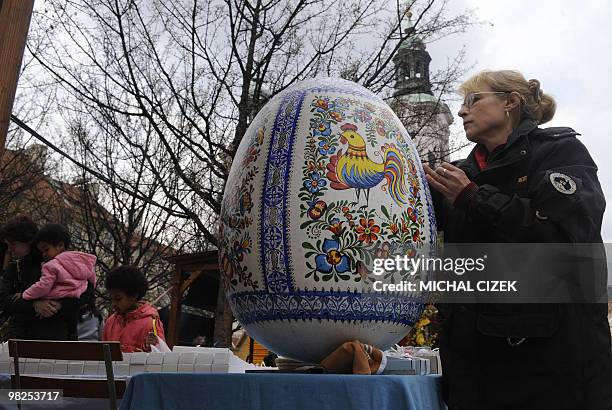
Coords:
182,359
411,360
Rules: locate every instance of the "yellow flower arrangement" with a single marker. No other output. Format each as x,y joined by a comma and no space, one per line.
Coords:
425,330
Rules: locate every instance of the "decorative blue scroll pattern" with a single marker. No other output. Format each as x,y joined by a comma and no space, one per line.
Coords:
260,306
275,259
281,300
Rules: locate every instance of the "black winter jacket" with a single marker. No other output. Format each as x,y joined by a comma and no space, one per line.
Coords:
524,196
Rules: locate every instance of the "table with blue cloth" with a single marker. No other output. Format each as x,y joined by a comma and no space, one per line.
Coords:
282,391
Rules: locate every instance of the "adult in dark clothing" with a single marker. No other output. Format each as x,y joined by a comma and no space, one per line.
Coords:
38,319
521,184
5,259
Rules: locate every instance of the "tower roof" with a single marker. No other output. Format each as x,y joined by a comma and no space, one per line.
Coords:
413,41
411,62
418,98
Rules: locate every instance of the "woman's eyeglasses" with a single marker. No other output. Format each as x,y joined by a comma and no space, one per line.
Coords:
472,98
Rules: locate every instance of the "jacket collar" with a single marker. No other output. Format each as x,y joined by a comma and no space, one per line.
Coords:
515,149
524,128
143,310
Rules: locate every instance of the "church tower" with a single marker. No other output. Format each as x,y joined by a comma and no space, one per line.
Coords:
426,118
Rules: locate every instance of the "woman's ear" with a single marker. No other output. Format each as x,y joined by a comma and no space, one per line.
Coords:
513,101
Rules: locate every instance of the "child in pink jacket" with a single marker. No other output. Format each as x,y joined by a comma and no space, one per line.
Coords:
134,323
64,275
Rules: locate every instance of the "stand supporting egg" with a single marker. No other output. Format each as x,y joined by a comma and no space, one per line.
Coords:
325,182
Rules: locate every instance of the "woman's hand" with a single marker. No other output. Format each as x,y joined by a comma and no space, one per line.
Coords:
447,179
46,308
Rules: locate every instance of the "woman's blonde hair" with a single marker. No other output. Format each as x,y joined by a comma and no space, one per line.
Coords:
534,103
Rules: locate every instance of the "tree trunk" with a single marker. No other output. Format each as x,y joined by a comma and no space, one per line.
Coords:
223,321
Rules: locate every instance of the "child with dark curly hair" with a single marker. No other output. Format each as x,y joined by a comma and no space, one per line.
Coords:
134,323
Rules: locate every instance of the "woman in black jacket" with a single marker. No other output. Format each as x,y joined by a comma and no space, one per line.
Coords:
38,319
521,184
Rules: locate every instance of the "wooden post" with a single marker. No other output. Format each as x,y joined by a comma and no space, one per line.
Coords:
224,319
251,350
14,25
175,307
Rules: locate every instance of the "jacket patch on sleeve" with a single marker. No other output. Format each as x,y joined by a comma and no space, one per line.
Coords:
562,183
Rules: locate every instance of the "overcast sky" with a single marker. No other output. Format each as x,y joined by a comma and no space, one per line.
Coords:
564,44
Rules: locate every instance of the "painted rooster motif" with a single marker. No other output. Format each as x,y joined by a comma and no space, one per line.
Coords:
356,170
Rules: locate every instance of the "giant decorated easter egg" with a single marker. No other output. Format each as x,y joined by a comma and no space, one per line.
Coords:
325,182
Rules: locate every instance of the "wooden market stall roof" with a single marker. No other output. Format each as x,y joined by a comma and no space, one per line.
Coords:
197,264
15,18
